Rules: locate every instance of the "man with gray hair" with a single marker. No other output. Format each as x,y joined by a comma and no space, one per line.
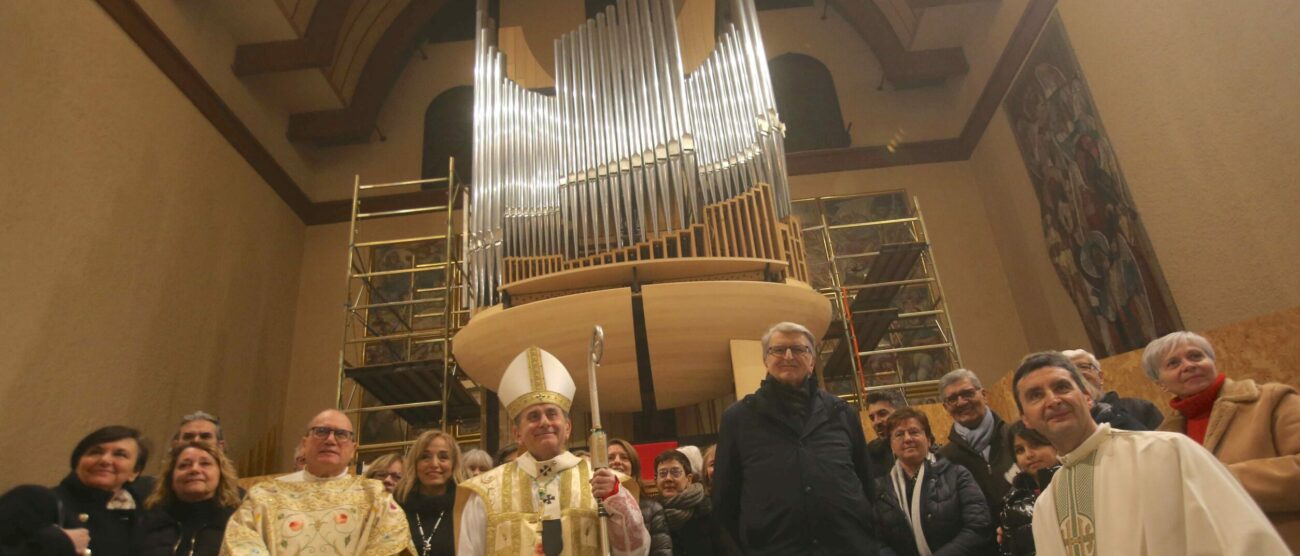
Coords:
202,427
792,473
979,439
1142,410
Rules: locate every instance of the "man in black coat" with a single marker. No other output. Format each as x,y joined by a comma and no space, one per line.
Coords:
978,439
880,405
792,474
1137,409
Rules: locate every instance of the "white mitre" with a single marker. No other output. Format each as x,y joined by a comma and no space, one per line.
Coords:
535,376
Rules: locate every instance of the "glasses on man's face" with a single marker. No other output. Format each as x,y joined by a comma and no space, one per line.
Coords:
674,472
780,351
967,394
341,435
197,437
1086,366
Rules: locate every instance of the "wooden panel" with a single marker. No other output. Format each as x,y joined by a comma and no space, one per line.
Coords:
563,327
690,326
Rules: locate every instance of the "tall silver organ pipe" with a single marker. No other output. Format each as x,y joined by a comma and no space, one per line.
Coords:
627,150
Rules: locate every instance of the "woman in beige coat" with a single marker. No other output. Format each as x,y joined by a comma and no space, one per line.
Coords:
1254,429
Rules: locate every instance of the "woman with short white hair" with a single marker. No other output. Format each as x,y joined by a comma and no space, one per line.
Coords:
1254,429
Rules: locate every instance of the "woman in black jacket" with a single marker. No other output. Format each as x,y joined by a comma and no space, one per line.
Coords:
428,492
1036,462
104,493
687,508
624,459
188,512
928,506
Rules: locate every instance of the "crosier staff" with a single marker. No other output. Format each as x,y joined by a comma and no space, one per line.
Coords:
597,443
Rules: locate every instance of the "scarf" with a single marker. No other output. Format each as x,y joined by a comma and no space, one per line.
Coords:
681,508
979,437
1196,409
913,511
795,402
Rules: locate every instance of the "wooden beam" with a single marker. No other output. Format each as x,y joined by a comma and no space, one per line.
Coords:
903,68
919,5
314,50
355,122
876,156
146,34
1013,56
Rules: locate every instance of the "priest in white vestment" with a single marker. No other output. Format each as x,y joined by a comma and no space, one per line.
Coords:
1129,493
546,501
321,509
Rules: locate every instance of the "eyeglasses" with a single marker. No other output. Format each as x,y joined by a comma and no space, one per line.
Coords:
1086,367
202,436
674,472
341,435
798,351
381,475
967,394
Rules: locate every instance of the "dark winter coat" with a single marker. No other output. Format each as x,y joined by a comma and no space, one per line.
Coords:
881,456
1018,512
1144,411
183,528
433,514
1104,413
29,523
794,480
112,532
989,475
661,539
955,517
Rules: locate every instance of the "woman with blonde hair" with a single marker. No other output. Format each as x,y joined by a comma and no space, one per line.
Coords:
193,500
427,492
386,469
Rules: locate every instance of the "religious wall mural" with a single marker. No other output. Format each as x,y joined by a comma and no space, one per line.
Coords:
1095,239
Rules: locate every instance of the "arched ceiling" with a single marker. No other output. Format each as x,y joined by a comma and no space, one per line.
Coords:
362,46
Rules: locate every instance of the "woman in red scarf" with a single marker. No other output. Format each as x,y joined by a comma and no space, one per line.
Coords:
1254,429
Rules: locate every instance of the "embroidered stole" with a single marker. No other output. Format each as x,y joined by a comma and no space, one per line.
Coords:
1075,506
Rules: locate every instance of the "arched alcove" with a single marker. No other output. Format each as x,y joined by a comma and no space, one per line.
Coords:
805,96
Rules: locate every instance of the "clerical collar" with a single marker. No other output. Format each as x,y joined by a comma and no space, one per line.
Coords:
1089,446
303,476
547,468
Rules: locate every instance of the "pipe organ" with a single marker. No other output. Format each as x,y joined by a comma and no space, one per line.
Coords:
630,158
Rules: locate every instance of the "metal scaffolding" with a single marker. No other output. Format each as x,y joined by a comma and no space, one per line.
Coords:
870,255
405,301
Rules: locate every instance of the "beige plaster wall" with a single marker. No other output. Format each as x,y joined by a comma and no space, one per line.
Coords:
1199,102
147,270
984,315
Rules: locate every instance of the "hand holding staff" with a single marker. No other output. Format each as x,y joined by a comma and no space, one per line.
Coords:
597,444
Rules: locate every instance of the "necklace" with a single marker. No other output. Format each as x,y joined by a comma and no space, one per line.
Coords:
428,541
542,495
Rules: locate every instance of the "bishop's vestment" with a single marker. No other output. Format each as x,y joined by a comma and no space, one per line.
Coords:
501,512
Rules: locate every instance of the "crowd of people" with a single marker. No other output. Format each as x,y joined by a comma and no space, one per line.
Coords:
1082,471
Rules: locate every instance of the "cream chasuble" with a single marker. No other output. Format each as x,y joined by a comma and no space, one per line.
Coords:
343,516
1124,493
500,512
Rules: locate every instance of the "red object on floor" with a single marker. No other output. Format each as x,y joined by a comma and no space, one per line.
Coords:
648,452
